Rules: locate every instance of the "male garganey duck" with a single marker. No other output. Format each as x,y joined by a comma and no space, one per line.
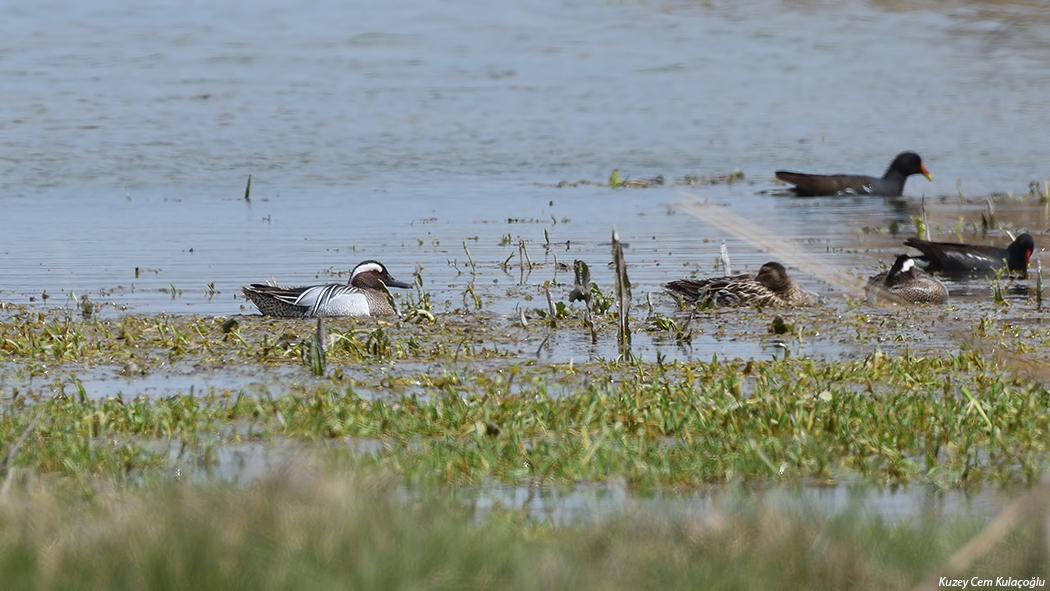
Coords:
365,294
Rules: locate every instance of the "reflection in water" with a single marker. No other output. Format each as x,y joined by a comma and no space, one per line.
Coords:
408,136
595,501
248,462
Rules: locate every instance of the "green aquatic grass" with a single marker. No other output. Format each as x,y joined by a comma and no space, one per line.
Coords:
455,402
106,491
943,421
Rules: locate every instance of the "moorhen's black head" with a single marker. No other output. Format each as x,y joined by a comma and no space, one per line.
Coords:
907,164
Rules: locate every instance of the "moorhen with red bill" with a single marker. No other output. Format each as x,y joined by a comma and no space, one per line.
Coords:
954,257
890,185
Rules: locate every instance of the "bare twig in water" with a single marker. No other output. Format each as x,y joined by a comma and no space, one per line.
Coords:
581,292
546,340
623,296
470,259
925,220
317,349
988,219
523,260
525,253
552,314
551,322
1038,285
248,189
474,296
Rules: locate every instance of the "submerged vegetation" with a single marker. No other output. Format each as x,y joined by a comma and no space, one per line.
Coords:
454,402
932,421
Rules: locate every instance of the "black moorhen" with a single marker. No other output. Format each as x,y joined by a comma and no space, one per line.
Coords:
890,185
954,257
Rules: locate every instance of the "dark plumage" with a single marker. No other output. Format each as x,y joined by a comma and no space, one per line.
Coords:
771,286
905,283
953,257
890,185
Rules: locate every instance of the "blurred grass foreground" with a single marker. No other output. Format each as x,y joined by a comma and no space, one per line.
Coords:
306,528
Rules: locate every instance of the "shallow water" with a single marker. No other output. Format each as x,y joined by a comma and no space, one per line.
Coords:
397,134
584,502
247,463
414,133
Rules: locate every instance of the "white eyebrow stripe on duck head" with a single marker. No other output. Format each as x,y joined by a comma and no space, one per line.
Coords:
367,268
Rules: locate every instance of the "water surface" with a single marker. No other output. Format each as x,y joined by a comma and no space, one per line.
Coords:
414,133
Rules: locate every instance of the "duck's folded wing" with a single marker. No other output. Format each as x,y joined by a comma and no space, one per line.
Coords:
288,295
335,299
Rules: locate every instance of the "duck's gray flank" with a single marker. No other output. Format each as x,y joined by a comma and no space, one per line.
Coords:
905,283
365,294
